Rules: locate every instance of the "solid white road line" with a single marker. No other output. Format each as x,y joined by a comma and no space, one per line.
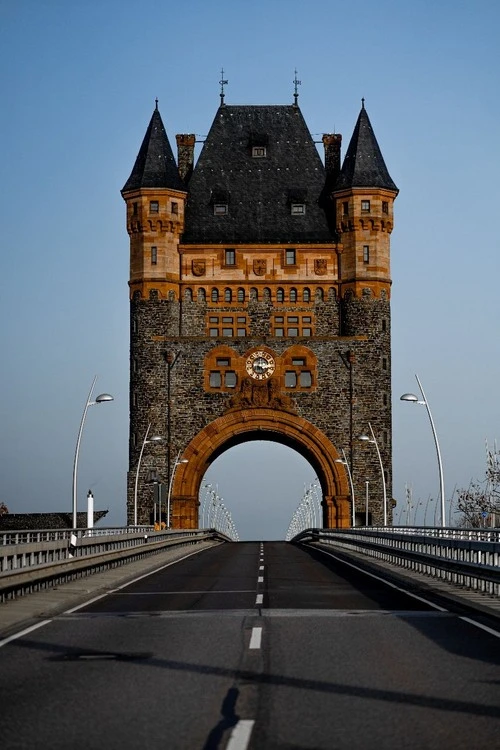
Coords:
255,638
23,632
479,625
240,736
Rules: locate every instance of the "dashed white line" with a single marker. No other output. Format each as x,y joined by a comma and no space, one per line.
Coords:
240,736
260,579
255,638
259,599
261,567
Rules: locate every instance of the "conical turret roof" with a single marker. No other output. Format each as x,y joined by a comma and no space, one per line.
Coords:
155,165
364,165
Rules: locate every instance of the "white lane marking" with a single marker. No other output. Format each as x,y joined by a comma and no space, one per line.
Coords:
255,638
240,736
259,599
23,632
261,567
480,625
260,579
129,583
387,583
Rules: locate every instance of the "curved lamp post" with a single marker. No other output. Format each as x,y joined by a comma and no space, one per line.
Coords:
103,397
346,464
373,440
154,439
176,464
415,400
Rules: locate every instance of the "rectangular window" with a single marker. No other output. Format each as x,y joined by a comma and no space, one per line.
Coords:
293,318
345,208
258,152
227,332
134,209
385,207
290,257
213,319
365,206
384,364
298,362
214,332
279,319
305,379
174,208
154,256
241,319
290,379
220,209
230,258
279,332
230,379
222,362
307,331
215,379
366,253
293,331
241,331
307,319
227,319
298,209
154,207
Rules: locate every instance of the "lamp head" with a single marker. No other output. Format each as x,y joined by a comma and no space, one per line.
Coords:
104,397
365,438
409,397
155,439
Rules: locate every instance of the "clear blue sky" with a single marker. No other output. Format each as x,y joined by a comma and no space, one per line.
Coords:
78,82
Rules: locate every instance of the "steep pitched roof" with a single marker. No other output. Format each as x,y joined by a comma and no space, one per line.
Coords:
258,191
364,164
155,165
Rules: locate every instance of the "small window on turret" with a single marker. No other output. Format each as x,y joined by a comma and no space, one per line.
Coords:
366,253
220,209
174,208
258,152
154,256
385,207
135,209
298,209
345,208
154,207
365,206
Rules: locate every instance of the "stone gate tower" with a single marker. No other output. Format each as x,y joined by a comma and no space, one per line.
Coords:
260,306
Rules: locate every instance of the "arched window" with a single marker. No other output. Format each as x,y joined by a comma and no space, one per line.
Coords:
241,295
280,295
254,293
188,295
215,295
306,295
267,294
202,297
293,295
228,295
332,294
319,295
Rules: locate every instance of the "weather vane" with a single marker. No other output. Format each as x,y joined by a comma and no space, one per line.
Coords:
296,83
223,82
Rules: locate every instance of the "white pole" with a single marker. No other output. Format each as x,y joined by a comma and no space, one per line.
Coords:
136,485
90,510
382,473
367,483
77,451
438,452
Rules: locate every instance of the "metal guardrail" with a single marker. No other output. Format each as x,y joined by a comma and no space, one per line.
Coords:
31,566
468,560
52,535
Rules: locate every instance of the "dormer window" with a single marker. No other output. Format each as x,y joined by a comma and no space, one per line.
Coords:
365,207
220,201
258,152
298,209
220,209
154,207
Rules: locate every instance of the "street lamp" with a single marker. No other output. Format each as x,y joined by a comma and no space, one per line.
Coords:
176,464
99,400
346,464
415,400
154,439
373,440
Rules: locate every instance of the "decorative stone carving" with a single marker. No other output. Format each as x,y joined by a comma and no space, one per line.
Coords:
259,394
320,266
260,266
199,267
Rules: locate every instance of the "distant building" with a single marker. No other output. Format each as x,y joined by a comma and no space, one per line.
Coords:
39,521
260,305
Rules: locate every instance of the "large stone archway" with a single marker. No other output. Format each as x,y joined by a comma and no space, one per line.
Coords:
265,424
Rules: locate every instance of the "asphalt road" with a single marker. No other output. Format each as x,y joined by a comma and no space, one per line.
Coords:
258,646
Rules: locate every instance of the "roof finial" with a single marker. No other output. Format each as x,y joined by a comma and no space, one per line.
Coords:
156,102
296,93
362,102
223,83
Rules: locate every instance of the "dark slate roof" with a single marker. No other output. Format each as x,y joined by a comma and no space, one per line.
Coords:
155,165
258,191
45,521
364,164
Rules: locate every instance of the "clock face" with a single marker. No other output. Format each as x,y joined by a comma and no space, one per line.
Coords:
260,365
